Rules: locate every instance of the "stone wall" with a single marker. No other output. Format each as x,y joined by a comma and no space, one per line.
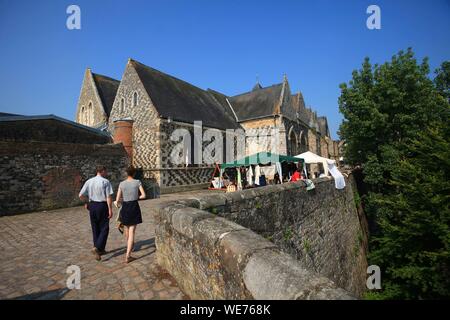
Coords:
296,137
90,109
38,176
259,136
324,149
146,148
214,258
296,235
173,174
322,228
293,136
146,121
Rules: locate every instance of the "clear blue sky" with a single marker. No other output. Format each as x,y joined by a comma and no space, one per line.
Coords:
220,44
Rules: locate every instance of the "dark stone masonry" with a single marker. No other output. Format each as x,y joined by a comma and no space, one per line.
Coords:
44,161
37,176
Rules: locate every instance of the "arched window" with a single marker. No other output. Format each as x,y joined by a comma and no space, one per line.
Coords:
135,99
293,144
90,116
82,116
122,105
303,142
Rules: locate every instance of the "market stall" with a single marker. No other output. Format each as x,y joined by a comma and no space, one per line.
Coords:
329,167
254,169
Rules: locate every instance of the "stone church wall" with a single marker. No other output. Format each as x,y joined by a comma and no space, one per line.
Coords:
146,126
174,174
88,95
259,136
300,132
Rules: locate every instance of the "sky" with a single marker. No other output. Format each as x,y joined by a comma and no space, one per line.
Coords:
220,44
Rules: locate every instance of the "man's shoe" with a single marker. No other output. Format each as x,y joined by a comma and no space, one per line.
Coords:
102,252
96,254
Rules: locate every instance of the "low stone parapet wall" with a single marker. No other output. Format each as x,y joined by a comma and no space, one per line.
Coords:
214,258
322,228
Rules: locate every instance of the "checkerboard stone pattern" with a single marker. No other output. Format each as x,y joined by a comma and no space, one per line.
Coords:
38,247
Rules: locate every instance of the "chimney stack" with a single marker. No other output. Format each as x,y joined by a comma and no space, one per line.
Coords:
123,133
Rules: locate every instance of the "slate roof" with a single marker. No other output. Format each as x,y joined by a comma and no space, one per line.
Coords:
257,103
222,99
182,101
51,117
107,89
4,114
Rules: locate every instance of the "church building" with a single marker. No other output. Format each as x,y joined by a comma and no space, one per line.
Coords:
146,106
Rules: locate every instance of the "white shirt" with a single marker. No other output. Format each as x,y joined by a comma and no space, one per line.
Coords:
97,189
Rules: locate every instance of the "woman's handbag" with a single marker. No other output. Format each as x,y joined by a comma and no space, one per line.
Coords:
119,224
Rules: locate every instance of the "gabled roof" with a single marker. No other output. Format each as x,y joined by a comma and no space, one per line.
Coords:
107,89
257,103
181,101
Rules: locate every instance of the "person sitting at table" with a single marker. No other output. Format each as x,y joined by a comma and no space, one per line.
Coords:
296,176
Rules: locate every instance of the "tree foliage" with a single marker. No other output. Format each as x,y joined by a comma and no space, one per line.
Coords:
442,80
396,128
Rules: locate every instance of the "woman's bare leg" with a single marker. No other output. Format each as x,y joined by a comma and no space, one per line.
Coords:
125,233
130,242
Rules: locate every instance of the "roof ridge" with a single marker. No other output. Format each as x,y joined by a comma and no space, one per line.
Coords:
103,76
180,99
104,86
215,91
167,75
50,116
259,90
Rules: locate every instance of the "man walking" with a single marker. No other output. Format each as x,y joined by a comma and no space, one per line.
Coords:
97,193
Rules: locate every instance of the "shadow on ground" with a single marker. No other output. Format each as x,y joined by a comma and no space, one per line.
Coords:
57,294
138,246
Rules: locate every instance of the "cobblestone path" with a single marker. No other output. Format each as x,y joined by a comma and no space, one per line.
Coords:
36,249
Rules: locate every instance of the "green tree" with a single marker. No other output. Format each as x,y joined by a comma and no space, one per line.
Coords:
442,80
395,127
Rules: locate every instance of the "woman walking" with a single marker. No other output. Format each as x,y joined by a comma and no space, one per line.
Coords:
130,214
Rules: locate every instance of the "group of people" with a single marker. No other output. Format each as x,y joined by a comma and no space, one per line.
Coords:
255,176
97,194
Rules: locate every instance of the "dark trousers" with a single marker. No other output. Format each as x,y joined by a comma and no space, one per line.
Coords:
98,212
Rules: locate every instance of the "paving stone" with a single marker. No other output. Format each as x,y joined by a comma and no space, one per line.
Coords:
158,286
37,248
148,295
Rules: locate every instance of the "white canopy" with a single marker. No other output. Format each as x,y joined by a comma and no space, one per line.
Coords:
310,157
329,166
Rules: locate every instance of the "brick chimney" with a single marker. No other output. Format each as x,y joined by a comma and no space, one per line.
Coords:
123,133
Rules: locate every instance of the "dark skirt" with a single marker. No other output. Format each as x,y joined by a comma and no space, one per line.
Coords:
130,214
